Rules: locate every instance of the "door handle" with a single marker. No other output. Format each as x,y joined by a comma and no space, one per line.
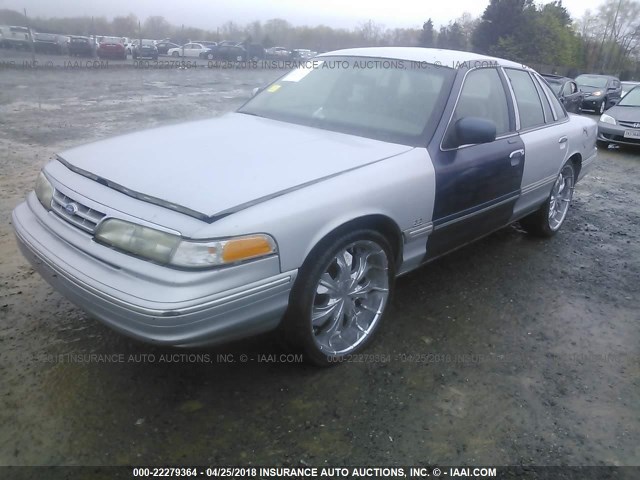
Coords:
563,140
515,156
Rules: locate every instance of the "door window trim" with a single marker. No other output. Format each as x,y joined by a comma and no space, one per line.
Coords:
547,91
533,127
512,109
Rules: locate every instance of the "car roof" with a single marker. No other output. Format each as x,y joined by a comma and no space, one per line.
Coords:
555,78
438,56
611,77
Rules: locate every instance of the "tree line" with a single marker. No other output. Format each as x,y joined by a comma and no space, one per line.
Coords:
545,36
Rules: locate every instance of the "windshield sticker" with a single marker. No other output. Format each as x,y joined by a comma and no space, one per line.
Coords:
273,88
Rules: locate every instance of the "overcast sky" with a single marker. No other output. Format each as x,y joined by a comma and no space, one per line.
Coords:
210,14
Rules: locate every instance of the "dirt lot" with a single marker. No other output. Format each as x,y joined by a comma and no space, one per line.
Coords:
510,351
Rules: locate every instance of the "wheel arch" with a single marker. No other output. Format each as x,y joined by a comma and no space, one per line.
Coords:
378,222
576,160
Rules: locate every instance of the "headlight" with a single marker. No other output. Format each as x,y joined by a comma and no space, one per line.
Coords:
143,241
604,118
170,249
597,93
44,191
222,252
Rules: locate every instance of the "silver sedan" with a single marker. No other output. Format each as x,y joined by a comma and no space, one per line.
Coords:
345,173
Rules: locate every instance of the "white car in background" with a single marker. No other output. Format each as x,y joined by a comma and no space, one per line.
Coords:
188,50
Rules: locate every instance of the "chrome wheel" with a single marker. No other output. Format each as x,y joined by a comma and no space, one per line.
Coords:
350,297
561,195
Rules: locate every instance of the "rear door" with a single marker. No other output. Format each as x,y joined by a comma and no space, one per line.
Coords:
545,130
476,185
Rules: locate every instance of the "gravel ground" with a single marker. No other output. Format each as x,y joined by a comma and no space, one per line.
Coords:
512,351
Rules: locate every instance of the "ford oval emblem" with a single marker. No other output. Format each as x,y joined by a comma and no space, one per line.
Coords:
71,208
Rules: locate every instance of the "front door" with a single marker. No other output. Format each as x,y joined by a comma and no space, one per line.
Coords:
476,185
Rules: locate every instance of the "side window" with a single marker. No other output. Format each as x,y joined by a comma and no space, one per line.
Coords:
568,89
527,99
483,96
557,107
548,116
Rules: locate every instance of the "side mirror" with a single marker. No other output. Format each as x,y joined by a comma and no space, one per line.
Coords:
474,130
256,91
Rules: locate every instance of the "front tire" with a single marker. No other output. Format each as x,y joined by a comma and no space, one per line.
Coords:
603,106
549,218
175,54
340,296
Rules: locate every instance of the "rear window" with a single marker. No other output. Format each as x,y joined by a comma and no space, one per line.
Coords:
527,99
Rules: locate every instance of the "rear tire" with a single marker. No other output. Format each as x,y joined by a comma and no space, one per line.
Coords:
340,295
548,219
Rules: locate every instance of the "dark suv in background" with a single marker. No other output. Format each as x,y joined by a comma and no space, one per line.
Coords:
146,50
82,46
228,53
600,91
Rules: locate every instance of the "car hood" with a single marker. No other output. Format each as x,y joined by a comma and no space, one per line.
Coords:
588,90
214,167
625,114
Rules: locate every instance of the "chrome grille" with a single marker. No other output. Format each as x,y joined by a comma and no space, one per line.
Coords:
76,213
629,124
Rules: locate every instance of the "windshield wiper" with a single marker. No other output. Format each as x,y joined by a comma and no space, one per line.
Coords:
251,113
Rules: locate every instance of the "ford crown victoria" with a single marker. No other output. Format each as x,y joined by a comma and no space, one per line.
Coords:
363,164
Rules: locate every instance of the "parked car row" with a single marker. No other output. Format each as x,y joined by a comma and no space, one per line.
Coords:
122,47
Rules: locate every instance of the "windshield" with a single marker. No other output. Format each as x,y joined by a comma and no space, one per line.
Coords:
631,99
386,99
592,81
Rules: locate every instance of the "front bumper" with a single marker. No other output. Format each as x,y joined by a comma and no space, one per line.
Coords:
615,134
592,103
93,285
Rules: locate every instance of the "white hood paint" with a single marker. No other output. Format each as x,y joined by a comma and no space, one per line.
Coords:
214,165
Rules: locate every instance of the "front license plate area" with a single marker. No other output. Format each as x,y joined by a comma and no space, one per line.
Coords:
632,134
